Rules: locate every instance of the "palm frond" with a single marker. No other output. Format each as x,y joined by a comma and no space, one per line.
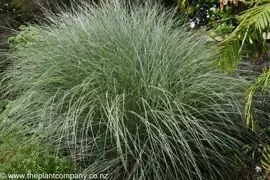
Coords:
256,18
264,82
265,161
227,55
253,23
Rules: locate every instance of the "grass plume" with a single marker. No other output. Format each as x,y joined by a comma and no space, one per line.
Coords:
126,90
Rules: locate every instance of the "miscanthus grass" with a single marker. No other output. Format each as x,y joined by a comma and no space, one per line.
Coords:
126,90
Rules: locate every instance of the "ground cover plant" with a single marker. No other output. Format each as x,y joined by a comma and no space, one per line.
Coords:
18,155
126,90
22,155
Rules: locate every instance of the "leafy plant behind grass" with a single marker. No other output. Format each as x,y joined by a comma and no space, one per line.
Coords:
127,93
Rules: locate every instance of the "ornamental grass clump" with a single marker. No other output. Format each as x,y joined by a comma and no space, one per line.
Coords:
126,90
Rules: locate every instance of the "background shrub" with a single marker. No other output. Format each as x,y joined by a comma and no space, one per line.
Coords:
125,92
